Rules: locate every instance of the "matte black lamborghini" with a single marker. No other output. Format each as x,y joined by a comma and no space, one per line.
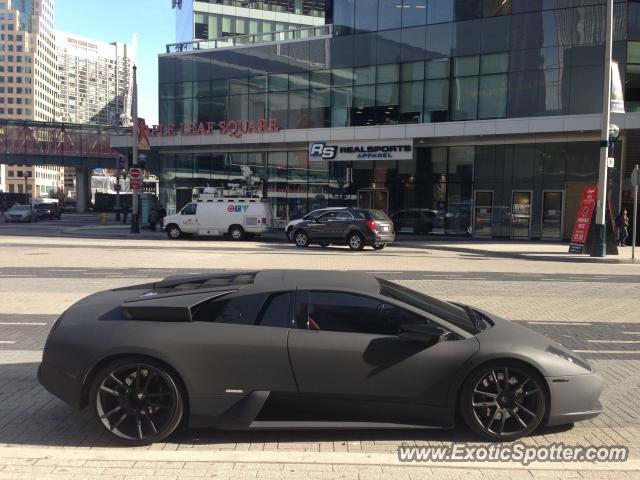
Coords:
305,349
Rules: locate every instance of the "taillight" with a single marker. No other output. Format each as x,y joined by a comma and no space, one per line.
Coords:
372,225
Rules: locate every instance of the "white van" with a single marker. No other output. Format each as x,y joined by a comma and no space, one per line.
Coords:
220,216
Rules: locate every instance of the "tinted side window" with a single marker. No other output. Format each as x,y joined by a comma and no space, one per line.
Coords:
343,312
190,209
327,217
277,311
343,216
239,310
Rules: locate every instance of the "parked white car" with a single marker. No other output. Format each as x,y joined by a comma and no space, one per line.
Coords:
312,215
21,213
233,216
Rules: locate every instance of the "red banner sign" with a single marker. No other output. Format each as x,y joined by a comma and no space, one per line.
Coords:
583,222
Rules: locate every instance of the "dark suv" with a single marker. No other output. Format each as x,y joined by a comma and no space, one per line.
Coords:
48,210
355,227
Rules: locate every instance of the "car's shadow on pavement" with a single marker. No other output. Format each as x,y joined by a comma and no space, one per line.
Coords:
30,416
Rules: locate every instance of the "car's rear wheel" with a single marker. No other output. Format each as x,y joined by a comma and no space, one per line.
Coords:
139,402
503,401
174,232
301,239
236,232
355,241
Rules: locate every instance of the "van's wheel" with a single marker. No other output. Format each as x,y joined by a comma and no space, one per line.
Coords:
503,401
355,241
236,232
301,239
138,401
173,232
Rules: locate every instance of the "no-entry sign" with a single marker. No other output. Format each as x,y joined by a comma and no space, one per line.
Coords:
135,173
135,178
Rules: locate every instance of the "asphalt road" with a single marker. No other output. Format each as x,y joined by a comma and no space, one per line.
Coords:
592,308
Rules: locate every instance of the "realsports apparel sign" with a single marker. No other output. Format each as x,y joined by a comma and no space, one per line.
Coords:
345,151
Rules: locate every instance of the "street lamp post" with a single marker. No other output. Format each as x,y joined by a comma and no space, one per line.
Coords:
135,225
599,248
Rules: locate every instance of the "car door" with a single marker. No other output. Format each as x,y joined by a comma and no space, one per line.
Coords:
321,227
340,225
346,352
189,218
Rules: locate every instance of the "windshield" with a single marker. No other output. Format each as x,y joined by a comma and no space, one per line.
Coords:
446,311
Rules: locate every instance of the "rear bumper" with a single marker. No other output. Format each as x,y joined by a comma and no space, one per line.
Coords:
380,239
61,384
574,398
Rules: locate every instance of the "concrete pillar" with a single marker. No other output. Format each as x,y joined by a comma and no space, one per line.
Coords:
82,189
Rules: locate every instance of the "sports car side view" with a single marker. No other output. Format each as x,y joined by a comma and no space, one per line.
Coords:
306,349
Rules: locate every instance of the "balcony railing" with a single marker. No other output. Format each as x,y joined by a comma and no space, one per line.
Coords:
237,40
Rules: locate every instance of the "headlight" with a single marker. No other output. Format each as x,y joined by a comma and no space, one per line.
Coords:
568,357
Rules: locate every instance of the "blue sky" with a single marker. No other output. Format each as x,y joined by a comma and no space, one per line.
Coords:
117,21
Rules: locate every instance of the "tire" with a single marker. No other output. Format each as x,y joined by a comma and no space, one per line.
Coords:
173,232
236,232
487,398
380,247
121,400
355,241
301,239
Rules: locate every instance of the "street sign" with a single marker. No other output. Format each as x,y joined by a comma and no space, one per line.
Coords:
635,181
135,173
635,177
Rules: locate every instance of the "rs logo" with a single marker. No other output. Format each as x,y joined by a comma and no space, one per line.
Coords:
323,151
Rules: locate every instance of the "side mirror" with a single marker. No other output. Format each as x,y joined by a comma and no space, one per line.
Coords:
421,333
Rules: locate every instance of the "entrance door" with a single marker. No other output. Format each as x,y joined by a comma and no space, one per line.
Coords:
552,213
374,199
483,214
183,196
521,214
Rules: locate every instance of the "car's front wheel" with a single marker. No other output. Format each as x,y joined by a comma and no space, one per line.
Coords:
355,241
503,401
301,239
174,232
139,402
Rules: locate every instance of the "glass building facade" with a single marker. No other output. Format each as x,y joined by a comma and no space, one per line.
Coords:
413,62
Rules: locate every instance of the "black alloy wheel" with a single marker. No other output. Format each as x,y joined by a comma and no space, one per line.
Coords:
301,239
355,241
504,402
138,402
